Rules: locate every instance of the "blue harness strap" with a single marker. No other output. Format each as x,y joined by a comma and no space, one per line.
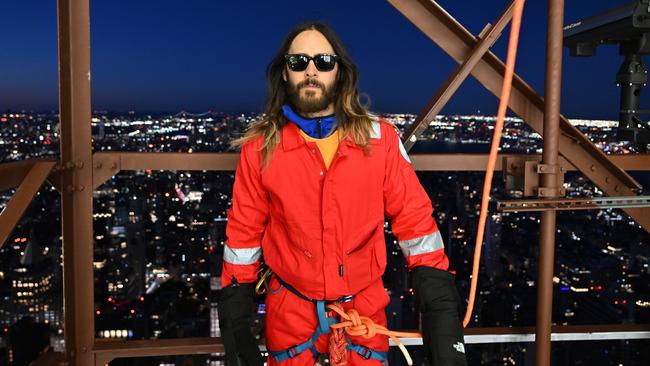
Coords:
323,327
366,352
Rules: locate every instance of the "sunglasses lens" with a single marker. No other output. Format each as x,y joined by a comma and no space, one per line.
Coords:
297,62
325,62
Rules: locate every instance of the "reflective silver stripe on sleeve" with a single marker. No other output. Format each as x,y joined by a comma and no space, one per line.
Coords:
402,151
241,255
424,244
376,130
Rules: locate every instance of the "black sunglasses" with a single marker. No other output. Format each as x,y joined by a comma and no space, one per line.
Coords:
322,61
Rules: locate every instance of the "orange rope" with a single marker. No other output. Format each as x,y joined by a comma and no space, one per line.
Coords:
358,325
489,172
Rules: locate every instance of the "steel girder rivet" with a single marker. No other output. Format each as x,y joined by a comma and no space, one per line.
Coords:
593,168
617,188
98,165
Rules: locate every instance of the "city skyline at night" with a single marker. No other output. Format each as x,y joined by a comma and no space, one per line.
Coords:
158,235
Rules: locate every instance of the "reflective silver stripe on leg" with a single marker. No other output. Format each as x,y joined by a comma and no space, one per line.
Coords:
241,255
424,244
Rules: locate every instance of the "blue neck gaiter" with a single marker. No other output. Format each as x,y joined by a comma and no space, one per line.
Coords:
317,127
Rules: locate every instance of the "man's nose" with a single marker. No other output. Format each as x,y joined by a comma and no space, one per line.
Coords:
311,69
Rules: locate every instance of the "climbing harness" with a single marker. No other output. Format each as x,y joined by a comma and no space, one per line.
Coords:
350,323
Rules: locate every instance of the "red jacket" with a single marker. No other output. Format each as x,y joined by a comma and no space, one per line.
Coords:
321,230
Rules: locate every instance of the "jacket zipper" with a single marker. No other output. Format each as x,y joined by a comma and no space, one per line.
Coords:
318,127
325,172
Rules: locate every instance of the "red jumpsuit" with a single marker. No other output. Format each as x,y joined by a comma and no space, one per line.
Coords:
322,230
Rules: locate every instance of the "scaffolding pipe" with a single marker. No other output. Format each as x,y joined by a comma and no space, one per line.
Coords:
549,186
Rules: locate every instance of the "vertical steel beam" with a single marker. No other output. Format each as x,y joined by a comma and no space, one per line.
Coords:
77,181
549,181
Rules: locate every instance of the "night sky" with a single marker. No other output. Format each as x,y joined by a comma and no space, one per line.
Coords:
166,56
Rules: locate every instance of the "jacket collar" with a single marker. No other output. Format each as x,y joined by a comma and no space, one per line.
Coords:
315,127
292,139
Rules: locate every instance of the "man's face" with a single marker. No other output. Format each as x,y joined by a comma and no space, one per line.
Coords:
310,91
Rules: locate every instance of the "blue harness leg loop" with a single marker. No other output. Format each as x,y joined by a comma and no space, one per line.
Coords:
366,352
309,344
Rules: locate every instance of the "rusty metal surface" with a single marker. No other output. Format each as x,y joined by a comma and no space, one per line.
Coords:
569,204
106,164
456,78
107,350
13,173
456,41
76,181
19,202
478,162
49,359
550,182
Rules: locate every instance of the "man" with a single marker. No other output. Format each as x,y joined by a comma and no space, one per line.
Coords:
314,183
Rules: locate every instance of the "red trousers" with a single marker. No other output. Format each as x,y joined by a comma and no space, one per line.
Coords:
291,320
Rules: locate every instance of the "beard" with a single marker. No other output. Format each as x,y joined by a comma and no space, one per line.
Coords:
309,103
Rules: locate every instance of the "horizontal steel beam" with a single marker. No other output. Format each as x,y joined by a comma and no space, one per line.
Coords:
569,204
107,350
559,333
106,164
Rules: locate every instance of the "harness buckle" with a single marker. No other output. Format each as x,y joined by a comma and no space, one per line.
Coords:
344,299
291,352
367,353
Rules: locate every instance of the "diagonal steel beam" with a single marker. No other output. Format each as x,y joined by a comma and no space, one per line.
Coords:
17,205
487,38
13,173
458,43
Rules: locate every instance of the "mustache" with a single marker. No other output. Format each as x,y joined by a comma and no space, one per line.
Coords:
310,82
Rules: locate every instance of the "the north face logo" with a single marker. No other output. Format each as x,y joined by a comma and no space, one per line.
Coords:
459,347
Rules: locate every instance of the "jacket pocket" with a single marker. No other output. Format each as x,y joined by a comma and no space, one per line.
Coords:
366,241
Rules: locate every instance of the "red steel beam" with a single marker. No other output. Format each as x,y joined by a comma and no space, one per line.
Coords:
549,182
19,202
76,180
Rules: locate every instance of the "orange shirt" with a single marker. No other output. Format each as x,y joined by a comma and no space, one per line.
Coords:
327,145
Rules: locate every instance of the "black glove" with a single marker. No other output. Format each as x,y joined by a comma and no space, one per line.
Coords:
235,304
438,300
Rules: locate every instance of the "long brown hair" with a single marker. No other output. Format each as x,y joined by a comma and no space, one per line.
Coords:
352,117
